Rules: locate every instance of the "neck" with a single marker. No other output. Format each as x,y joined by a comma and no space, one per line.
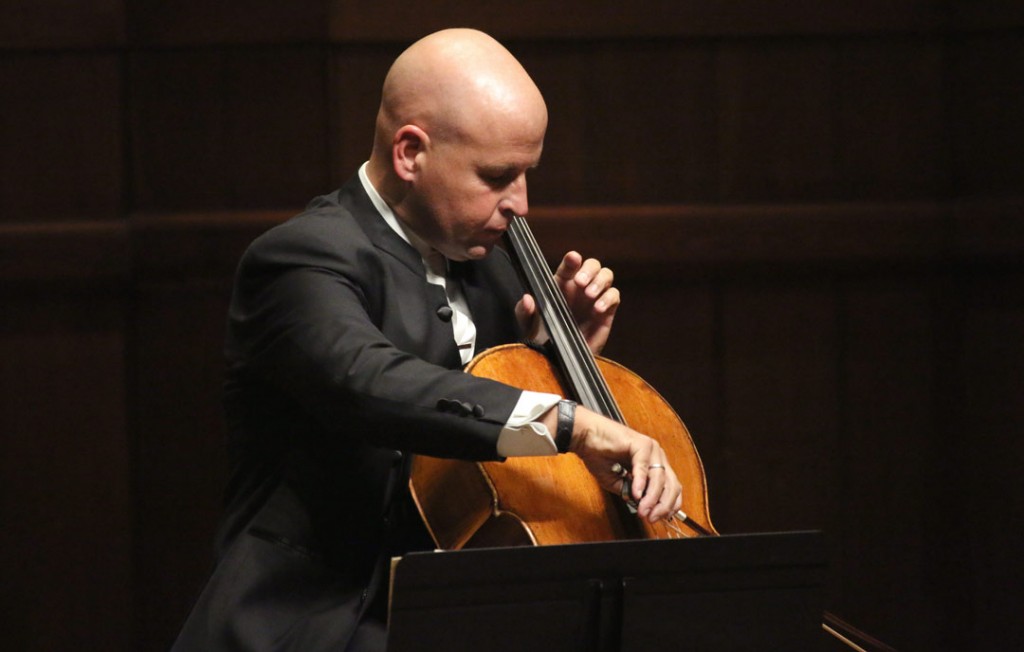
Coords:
392,192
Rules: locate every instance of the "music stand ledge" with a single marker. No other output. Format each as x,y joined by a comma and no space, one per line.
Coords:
724,593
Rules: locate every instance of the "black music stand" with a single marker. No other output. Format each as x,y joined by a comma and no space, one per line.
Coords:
733,592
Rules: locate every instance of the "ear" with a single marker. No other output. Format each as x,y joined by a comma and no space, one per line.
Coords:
410,141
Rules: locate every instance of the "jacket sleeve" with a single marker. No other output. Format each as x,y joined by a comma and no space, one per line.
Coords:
302,320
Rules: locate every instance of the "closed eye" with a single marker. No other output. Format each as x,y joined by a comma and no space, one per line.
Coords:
501,179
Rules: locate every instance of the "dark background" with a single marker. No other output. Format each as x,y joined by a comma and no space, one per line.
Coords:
814,209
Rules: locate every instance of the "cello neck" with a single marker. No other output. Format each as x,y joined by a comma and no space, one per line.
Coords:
566,345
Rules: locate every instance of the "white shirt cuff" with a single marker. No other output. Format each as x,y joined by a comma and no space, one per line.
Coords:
523,435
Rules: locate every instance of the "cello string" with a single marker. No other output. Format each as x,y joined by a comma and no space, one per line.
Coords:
555,312
586,378
567,337
538,282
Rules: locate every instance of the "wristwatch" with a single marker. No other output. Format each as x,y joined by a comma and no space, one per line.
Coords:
566,418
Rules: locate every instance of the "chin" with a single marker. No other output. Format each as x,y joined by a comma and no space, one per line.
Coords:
477,252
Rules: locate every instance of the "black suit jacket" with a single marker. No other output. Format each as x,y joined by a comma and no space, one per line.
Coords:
337,364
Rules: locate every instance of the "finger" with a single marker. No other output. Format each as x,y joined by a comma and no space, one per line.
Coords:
588,273
569,266
600,279
608,302
670,500
525,307
526,315
650,506
640,463
617,486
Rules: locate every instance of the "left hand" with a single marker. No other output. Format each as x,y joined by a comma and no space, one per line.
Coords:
588,290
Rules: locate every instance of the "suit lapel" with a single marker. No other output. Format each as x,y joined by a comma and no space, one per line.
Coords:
352,197
417,297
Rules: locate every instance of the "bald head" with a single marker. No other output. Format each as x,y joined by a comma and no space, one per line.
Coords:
456,84
459,126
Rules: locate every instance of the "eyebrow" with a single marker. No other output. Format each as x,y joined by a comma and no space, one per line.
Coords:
505,168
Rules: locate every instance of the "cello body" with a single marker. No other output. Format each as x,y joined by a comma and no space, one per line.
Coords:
553,499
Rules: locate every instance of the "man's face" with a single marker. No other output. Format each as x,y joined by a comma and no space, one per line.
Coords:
470,185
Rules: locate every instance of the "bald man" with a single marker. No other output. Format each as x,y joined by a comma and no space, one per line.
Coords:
348,329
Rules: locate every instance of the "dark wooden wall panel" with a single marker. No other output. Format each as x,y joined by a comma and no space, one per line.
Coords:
356,75
640,19
657,99
986,105
62,23
60,136
202,22
89,254
228,128
178,124
970,15
886,457
781,405
562,75
889,117
180,459
776,136
814,209
65,482
989,450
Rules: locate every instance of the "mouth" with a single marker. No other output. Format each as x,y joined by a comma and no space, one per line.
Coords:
496,232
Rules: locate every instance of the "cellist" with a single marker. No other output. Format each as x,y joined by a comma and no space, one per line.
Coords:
348,328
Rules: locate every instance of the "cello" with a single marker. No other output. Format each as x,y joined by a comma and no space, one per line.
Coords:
555,500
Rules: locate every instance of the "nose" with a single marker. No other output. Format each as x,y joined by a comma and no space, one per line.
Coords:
515,199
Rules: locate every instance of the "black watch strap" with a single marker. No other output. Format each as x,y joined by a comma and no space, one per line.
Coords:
566,418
